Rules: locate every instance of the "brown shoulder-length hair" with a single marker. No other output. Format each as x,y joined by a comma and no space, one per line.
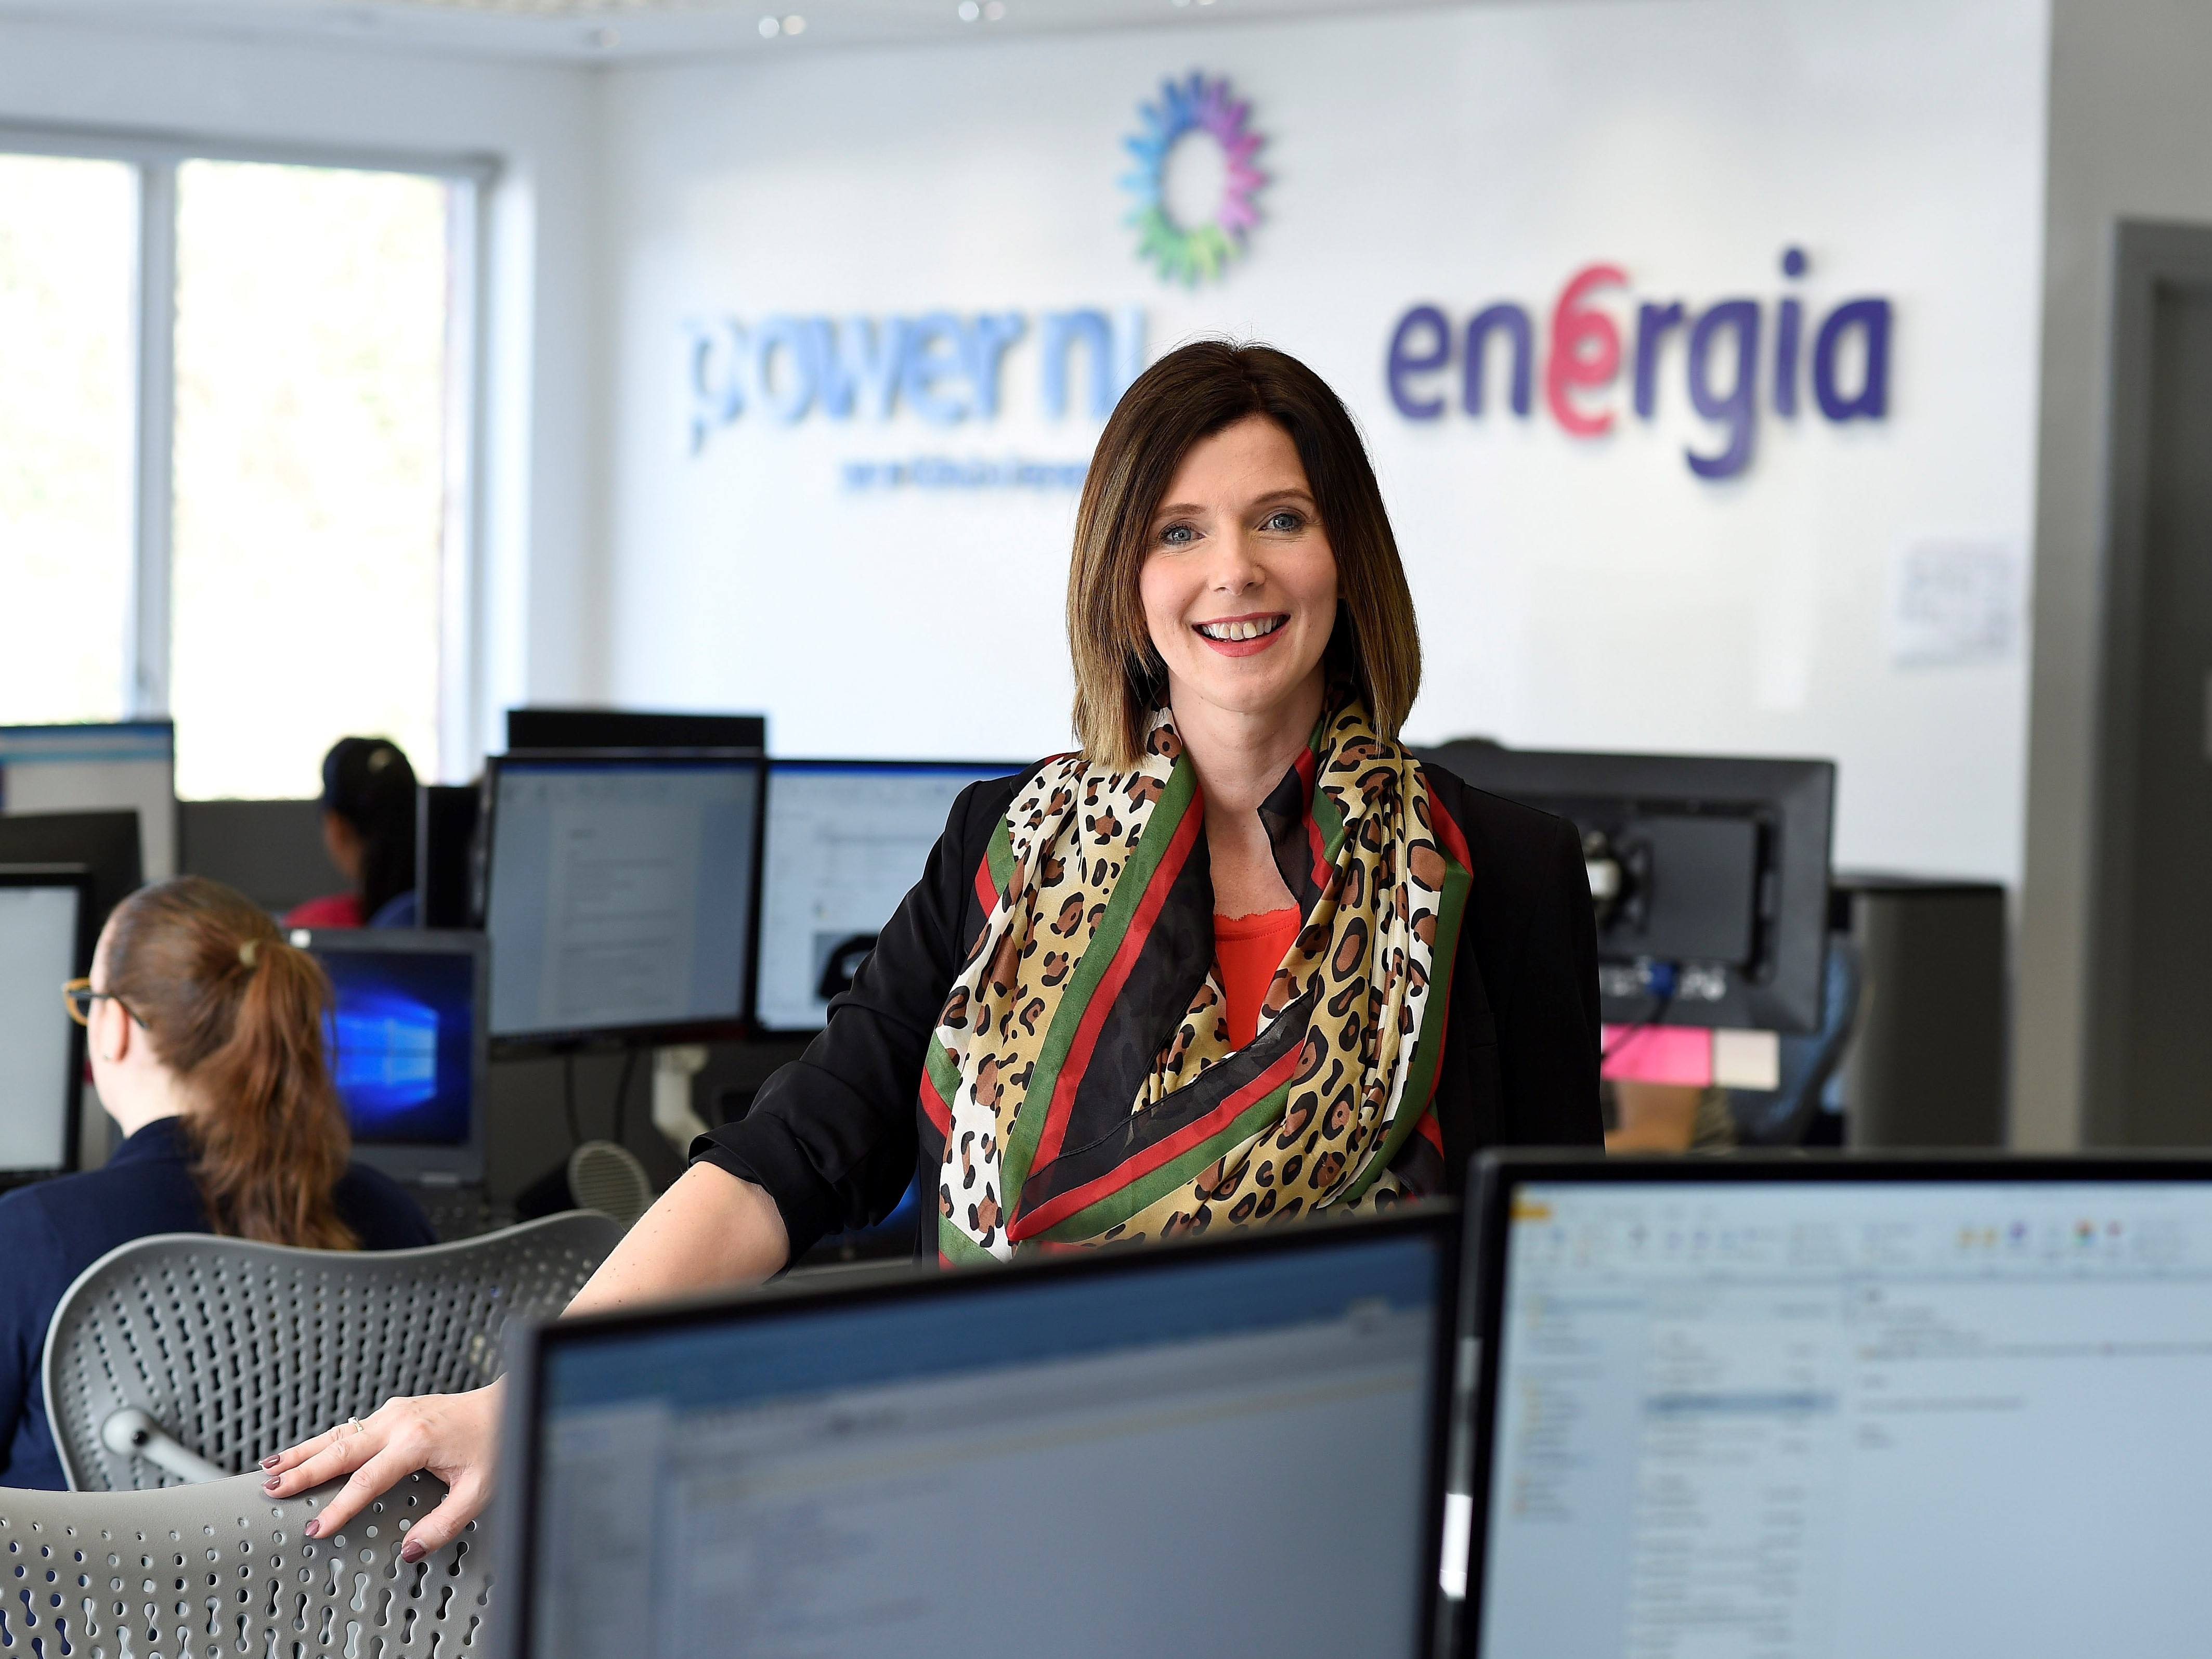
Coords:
1191,394
237,1013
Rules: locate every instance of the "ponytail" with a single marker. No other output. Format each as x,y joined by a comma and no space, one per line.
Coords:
238,1014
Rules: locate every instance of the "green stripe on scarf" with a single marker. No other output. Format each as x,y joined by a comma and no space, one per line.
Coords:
1116,1207
1421,1075
1129,890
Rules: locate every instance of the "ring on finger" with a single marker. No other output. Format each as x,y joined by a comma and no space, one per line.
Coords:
354,1426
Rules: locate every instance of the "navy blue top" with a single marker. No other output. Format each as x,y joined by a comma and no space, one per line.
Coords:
51,1231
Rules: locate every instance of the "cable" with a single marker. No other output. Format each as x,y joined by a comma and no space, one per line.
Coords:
568,1099
1662,977
622,1096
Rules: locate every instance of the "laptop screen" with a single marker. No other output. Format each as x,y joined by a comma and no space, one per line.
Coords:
1185,1447
1864,1416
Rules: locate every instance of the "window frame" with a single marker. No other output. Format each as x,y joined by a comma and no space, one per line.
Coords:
462,694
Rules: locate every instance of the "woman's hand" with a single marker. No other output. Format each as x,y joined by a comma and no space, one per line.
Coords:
454,1436
710,1231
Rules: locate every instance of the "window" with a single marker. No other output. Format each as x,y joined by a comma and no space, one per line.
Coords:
69,238
235,403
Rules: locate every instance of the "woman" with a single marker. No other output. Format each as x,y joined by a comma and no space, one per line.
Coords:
1240,959
368,831
205,1034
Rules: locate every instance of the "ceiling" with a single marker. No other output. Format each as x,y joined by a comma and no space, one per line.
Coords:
604,30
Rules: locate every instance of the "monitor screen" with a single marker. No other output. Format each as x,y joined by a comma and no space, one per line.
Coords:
845,840
407,1045
40,946
620,893
66,769
402,1036
1216,1446
1849,1416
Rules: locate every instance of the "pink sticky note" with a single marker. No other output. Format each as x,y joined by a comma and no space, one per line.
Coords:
1659,1053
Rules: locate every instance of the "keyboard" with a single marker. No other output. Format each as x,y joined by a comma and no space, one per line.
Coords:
456,1212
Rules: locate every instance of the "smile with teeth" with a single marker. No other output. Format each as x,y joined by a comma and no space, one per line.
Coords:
1249,628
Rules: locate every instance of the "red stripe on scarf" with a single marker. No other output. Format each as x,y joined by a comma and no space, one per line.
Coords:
986,895
1056,1210
1306,765
1455,846
932,1104
1109,986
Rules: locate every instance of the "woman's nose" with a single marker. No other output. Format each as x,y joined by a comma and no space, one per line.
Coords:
1234,568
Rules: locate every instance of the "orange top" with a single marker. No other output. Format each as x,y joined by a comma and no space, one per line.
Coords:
1247,951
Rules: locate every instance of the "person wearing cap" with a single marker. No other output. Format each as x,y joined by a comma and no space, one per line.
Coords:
369,830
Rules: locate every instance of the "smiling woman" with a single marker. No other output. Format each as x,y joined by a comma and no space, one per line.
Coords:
1239,959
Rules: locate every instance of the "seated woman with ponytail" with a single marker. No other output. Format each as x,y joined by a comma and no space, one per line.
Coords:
1239,959
206,1042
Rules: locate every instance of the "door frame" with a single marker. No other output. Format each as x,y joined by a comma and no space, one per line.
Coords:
2148,257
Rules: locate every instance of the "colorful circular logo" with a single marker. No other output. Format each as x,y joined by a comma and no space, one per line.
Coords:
1190,254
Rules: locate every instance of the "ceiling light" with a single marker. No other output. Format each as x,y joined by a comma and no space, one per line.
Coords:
969,11
770,28
794,24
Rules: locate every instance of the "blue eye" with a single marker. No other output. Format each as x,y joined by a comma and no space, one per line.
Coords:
1177,535
1285,519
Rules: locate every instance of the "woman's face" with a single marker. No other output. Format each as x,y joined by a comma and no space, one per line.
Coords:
1239,583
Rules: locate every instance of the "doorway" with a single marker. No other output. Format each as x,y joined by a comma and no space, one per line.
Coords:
2149,1059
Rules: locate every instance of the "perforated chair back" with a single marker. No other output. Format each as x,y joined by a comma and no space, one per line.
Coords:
222,1568
238,1349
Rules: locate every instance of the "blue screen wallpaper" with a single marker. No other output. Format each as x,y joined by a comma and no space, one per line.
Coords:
401,1041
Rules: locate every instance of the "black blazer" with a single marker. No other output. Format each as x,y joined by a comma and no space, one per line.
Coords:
832,1136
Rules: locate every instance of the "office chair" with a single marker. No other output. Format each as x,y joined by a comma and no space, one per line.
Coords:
1783,1115
186,1356
224,1568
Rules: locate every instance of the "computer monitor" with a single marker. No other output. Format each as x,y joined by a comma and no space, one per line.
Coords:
618,894
105,843
1783,1406
407,1046
76,767
845,840
630,728
1709,874
1229,1445
445,853
271,851
45,938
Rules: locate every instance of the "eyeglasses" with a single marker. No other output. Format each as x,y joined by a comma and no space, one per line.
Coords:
78,996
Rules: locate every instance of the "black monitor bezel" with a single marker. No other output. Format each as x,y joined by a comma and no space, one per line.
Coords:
987,771
429,1162
78,877
1496,1175
527,1044
641,728
530,1342
113,878
1799,794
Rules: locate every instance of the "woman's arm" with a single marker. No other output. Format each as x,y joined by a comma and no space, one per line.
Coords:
708,1231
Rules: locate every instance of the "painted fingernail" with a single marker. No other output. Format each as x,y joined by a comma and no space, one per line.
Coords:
271,1463
313,1529
271,1484
410,1550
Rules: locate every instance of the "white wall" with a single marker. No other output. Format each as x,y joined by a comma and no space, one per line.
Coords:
1584,593
538,572
2131,137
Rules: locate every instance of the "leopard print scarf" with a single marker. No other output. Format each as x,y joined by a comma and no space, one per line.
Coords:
1081,1087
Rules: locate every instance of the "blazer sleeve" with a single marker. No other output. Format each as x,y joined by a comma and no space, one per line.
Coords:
1548,1011
831,1137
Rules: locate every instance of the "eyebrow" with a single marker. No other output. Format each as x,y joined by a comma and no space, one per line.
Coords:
1292,494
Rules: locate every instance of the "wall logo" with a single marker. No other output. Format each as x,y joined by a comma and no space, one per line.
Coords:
1843,360
1194,110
